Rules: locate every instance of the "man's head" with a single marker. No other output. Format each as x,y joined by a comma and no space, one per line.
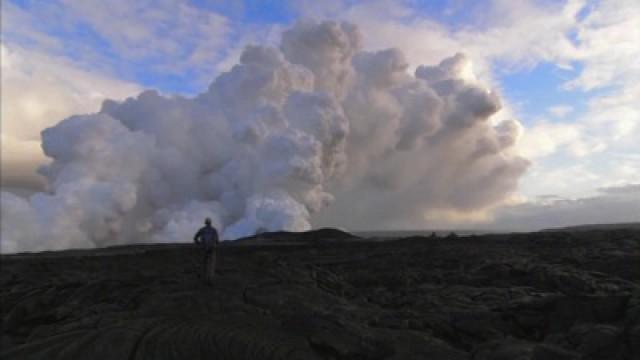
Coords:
207,222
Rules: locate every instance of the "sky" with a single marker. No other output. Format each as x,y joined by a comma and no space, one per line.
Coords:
567,71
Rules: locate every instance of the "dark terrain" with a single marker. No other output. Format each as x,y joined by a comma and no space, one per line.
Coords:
328,295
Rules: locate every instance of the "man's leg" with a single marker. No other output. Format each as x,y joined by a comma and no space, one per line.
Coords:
203,265
213,262
211,265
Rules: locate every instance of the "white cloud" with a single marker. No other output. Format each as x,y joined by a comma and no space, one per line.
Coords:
521,34
598,41
60,58
509,34
568,180
560,111
20,24
524,33
38,90
184,35
163,36
295,127
546,138
567,177
618,204
608,41
602,143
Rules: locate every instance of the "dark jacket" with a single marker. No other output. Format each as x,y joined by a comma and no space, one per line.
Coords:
207,237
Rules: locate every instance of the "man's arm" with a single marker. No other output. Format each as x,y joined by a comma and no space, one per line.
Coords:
217,238
196,238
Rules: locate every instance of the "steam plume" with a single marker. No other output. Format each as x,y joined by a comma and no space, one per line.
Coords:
317,124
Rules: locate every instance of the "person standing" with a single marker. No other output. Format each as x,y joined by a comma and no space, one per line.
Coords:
207,239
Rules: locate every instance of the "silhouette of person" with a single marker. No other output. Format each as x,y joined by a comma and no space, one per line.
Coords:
207,239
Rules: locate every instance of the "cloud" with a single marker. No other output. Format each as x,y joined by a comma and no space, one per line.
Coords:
560,111
38,90
593,42
620,189
165,38
500,36
607,41
620,204
317,123
184,36
596,40
548,138
601,142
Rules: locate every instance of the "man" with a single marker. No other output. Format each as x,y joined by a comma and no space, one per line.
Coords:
207,239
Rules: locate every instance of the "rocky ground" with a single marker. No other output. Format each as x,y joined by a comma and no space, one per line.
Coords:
326,295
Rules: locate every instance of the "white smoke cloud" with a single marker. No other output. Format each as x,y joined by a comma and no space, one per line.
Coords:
38,90
316,132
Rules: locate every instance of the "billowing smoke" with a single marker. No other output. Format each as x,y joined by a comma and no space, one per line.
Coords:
316,124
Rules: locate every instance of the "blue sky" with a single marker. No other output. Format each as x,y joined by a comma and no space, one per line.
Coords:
536,89
252,14
532,89
564,69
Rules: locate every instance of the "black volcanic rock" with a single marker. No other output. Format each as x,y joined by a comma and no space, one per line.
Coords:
325,235
327,294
